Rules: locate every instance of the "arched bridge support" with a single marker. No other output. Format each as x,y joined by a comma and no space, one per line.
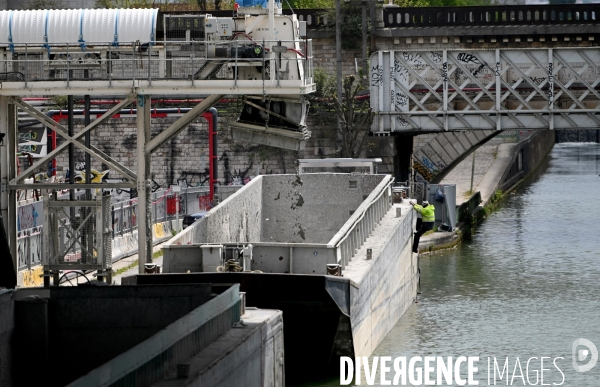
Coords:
442,152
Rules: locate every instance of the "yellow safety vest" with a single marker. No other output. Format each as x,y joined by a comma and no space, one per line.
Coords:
427,212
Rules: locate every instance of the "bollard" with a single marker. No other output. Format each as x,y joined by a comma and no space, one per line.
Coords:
369,253
242,303
334,269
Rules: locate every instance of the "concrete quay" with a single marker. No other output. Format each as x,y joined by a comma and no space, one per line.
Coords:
496,169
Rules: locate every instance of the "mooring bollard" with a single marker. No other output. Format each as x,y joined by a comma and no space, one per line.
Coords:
334,269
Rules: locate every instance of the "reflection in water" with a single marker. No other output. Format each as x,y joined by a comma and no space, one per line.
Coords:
526,285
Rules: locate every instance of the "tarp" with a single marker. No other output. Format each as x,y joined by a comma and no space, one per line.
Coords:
78,27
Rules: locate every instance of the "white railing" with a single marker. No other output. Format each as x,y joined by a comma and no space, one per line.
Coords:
360,225
187,61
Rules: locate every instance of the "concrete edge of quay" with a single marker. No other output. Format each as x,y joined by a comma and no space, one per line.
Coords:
501,178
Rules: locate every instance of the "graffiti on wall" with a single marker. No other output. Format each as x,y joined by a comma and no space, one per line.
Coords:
194,178
425,167
33,277
27,215
233,177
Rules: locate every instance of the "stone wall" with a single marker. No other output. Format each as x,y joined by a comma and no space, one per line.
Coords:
526,157
186,156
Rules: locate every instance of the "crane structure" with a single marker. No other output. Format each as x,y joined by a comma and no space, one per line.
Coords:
258,54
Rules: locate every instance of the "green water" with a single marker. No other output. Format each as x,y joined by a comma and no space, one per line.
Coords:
527,284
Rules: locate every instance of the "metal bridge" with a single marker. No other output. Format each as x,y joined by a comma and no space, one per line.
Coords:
458,89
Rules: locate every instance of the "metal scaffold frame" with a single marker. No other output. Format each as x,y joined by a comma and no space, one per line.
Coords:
260,54
502,89
13,181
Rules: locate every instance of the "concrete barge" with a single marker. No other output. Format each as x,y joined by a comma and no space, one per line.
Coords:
291,233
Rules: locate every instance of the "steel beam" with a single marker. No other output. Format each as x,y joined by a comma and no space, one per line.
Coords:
75,140
63,186
8,199
156,87
181,123
4,144
503,89
12,171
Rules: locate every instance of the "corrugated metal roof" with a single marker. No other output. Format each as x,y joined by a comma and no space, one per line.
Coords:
78,26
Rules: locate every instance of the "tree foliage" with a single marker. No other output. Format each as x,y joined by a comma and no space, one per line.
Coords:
45,4
330,4
127,3
355,114
355,117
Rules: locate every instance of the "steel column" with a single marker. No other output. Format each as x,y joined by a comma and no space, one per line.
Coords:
12,194
4,144
8,165
144,216
551,88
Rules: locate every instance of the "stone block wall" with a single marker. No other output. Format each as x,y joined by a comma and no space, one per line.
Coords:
186,156
325,56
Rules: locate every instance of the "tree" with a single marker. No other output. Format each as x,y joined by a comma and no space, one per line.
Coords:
354,113
127,3
355,117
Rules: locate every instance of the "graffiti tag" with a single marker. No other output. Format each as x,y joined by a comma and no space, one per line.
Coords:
401,100
550,84
376,76
467,58
400,120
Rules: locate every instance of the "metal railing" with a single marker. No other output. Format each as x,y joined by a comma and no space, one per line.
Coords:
123,217
492,15
29,247
541,14
171,60
360,225
163,208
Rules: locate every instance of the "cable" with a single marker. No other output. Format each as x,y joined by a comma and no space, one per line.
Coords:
230,266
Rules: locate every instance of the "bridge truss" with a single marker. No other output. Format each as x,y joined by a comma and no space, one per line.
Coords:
502,89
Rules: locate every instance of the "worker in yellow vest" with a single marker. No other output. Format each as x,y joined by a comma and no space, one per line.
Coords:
427,211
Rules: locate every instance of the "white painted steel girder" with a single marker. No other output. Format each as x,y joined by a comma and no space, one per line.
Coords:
156,87
503,89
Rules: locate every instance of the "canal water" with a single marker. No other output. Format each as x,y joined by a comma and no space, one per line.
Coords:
525,286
